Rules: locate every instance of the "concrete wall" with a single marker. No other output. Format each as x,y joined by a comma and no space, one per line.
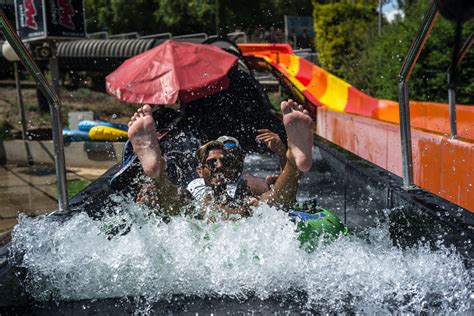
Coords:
77,154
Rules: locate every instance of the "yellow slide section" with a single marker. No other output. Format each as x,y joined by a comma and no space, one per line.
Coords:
336,93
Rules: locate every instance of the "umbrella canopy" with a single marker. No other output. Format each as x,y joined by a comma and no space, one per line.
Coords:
170,72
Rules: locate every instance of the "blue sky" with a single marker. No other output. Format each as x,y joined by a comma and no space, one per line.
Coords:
390,10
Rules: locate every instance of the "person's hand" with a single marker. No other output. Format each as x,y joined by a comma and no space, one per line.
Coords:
270,180
252,201
272,141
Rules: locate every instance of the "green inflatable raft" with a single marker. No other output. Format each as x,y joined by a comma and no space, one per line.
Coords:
317,226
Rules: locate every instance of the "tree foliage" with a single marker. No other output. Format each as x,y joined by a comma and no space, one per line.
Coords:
383,58
348,46
121,16
189,16
342,30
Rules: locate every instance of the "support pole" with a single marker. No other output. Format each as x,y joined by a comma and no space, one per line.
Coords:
54,106
453,127
451,88
218,17
403,98
380,17
21,108
55,74
405,135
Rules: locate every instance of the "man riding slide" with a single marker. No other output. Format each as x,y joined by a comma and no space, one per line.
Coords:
173,200
239,183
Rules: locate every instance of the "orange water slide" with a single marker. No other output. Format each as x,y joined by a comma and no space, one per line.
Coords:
368,127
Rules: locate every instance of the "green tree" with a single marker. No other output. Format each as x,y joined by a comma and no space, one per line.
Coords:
189,16
342,32
382,60
121,16
359,3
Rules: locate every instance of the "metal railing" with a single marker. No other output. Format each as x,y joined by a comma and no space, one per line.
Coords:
404,102
235,35
129,35
451,92
54,106
159,35
98,35
195,35
307,53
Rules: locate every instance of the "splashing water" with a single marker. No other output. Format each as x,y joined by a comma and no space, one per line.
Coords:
254,257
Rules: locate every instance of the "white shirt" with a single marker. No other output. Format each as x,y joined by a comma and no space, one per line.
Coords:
199,189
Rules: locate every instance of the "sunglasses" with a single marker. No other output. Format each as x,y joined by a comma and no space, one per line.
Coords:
212,163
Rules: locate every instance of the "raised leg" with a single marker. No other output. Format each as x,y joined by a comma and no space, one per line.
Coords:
142,134
299,128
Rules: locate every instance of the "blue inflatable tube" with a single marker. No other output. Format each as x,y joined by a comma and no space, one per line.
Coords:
86,125
75,136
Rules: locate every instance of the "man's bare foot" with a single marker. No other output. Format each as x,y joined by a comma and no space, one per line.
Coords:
299,128
142,134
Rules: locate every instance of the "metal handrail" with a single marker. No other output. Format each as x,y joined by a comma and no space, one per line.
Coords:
415,49
97,34
168,35
125,35
405,72
236,34
54,106
192,35
451,92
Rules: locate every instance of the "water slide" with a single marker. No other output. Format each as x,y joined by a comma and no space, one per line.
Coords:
369,127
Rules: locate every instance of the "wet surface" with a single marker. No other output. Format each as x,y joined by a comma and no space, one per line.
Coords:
145,271
32,190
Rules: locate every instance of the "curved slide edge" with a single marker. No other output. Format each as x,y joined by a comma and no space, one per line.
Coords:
319,88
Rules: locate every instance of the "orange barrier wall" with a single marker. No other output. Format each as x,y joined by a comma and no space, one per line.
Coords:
442,166
431,116
368,127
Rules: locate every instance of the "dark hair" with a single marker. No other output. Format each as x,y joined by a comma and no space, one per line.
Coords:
204,150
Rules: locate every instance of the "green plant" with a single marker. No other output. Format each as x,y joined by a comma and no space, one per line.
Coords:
75,186
382,59
342,31
5,128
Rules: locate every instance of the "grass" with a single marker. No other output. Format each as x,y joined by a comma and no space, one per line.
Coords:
75,186
276,98
104,107
5,128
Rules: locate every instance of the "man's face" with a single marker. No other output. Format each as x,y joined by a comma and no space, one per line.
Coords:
212,170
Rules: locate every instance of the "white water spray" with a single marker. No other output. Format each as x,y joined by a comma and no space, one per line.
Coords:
255,257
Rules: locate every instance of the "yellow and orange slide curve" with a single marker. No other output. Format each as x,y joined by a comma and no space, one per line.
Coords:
368,126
